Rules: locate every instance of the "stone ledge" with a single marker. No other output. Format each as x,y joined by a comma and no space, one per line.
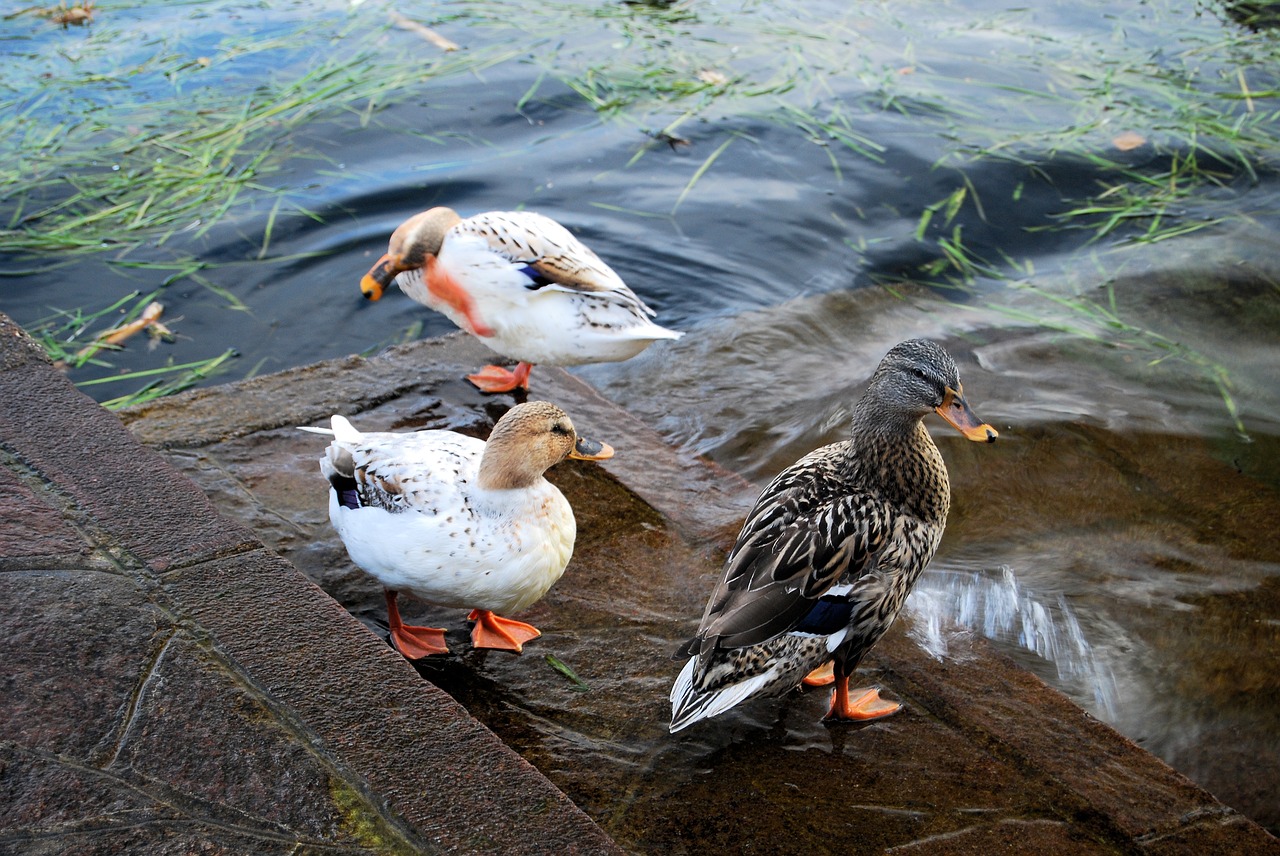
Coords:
203,694
985,756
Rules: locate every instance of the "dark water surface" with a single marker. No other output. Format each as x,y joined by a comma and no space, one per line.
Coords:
1131,560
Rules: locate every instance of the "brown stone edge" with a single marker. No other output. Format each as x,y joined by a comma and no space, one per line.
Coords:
1097,770
417,751
1109,783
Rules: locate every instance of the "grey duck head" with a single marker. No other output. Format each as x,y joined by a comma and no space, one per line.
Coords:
915,377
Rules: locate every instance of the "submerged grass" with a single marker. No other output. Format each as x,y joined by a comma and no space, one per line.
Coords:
76,339
135,141
1164,127
121,140
180,156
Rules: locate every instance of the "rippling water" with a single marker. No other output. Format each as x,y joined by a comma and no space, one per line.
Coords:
1118,538
994,605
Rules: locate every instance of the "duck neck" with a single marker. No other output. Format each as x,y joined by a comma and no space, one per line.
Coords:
902,460
504,471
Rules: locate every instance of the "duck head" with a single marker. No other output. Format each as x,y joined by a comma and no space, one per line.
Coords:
528,440
411,244
917,376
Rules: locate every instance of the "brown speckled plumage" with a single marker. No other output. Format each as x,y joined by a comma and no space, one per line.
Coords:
833,546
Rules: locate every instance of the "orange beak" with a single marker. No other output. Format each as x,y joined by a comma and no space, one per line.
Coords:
374,283
956,411
591,450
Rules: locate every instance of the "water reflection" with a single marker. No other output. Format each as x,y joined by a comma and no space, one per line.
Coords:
948,602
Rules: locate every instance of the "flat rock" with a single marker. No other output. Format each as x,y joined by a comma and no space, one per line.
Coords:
193,665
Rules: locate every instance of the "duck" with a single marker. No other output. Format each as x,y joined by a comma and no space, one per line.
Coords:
831,549
457,521
522,284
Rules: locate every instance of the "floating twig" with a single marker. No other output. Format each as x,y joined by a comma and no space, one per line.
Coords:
150,318
425,32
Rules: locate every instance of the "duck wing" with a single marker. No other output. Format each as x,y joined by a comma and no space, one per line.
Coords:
809,531
422,472
552,256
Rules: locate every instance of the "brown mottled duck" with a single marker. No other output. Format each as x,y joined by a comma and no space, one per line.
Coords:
831,550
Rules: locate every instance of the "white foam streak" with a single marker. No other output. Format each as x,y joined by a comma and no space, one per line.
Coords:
947,602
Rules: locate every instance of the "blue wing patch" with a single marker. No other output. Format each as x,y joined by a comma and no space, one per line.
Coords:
536,280
827,616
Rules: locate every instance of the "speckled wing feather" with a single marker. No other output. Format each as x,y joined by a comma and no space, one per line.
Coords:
554,255
415,472
792,550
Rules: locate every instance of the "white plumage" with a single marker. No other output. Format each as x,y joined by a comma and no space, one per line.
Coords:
456,521
522,284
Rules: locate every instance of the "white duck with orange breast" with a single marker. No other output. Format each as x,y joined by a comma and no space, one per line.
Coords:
522,284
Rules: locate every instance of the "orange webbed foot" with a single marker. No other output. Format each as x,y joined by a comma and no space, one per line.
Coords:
822,676
411,640
416,642
494,631
498,379
868,705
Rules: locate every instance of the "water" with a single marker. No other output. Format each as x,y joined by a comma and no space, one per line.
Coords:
946,603
870,173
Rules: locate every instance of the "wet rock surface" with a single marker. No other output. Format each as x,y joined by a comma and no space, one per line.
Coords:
173,685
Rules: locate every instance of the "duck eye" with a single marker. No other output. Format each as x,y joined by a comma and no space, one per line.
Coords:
920,374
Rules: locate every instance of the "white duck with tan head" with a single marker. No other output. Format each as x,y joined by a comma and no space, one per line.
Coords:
522,284
456,521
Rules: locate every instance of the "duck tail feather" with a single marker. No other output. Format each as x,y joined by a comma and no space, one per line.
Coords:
689,705
344,431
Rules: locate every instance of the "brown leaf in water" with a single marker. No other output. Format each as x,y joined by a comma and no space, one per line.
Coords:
150,315
1128,140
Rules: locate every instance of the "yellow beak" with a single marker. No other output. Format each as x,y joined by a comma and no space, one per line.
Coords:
956,411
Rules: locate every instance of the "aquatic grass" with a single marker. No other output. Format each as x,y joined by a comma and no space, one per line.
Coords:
685,58
138,153
1197,120
1101,322
144,167
73,339
964,271
777,62
65,335
699,172
111,148
747,59
180,377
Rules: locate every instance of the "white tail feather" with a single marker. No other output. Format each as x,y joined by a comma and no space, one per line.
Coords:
344,431
689,706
